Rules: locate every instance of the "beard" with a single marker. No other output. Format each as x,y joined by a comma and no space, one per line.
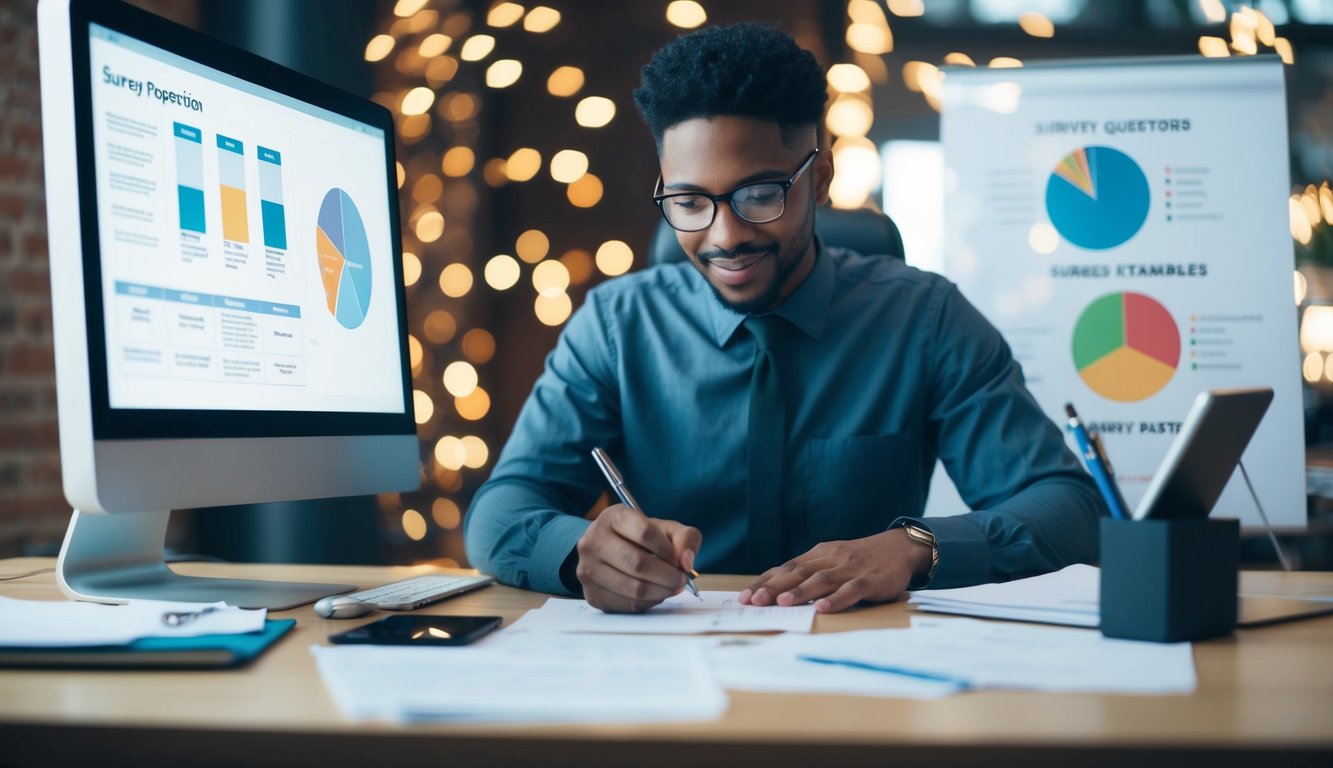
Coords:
788,258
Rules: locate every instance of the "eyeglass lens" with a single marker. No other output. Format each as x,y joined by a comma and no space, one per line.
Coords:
756,203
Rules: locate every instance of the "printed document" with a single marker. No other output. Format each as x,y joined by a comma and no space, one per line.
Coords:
523,676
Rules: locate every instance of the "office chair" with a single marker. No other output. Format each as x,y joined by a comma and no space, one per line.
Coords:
863,230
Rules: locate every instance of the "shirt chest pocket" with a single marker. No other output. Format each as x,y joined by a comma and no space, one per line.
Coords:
854,487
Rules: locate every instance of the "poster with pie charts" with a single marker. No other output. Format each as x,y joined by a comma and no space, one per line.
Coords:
1124,225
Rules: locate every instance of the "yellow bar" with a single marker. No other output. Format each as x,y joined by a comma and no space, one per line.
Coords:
235,225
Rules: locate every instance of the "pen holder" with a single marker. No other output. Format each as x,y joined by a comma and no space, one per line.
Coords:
1169,580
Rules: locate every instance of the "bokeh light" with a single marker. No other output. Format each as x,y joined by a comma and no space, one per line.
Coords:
568,165
417,101
479,346
458,161
503,15
503,73
439,327
523,164
614,257
532,246
541,19
414,525
565,81
586,192
379,47
553,309
686,14
502,272
477,47
422,406
460,378
456,280
594,111
411,268
550,278
445,513
475,406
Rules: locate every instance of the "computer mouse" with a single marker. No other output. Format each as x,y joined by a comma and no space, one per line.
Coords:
341,607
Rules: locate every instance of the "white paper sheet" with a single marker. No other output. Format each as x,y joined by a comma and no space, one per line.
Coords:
682,614
772,666
1068,596
65,623
524,676
1024,657
962,653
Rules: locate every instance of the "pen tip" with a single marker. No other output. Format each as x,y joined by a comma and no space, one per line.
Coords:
1069,411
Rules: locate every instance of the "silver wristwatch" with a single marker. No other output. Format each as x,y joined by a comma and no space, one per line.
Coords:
921,535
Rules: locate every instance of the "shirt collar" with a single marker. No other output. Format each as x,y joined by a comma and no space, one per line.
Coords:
807,307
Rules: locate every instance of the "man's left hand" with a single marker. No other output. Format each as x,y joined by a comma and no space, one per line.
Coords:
839,574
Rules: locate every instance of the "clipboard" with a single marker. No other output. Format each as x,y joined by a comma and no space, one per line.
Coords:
199,652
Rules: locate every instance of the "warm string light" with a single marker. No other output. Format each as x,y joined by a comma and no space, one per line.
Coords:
424,49
1247,30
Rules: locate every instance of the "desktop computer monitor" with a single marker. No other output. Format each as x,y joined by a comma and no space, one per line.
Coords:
227,293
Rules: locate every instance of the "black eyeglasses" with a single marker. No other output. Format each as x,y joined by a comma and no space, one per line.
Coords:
757,203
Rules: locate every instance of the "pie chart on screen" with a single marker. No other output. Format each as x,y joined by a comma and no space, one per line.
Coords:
344,258
1126,346
1097,197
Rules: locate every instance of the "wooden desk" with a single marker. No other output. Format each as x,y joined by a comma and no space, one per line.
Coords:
1265,697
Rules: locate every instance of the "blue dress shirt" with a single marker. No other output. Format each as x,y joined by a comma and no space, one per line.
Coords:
891,368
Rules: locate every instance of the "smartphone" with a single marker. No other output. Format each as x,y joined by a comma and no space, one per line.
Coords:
419,630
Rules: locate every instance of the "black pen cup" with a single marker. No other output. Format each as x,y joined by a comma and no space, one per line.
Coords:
1169,580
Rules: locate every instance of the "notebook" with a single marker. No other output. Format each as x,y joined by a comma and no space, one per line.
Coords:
200,652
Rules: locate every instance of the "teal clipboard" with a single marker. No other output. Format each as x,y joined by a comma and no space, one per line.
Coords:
201,652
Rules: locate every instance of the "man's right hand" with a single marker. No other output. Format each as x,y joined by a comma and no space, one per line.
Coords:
628,562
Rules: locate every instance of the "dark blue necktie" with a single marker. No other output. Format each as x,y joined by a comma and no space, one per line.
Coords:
767,438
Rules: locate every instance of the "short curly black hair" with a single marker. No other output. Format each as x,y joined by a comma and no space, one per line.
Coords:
746,70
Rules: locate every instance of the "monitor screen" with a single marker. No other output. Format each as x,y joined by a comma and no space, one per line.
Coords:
246,248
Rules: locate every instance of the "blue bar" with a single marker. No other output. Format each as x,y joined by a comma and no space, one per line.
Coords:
134,289
191,207
267,155
208,300
231,145
187,132
187,297
275,224
283,310
228,302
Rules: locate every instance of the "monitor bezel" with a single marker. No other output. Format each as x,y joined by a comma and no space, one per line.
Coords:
110,423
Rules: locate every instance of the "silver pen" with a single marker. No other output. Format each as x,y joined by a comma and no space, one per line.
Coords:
617,482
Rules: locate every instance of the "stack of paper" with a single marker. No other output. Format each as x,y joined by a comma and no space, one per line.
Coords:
1067,596
682,614
526,676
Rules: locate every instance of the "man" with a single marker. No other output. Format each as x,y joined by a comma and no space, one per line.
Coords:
775,404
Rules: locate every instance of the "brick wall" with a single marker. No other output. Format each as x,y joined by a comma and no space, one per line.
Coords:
32,507
33,512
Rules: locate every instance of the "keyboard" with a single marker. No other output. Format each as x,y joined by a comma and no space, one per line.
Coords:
409,594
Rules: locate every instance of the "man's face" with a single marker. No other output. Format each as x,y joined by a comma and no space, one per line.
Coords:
751,267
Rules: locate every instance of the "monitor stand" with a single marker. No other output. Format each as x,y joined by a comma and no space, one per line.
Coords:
111,558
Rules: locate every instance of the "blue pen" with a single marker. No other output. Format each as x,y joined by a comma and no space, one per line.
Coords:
1097,465
916,674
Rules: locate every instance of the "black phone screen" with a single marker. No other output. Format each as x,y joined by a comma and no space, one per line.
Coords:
419,630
